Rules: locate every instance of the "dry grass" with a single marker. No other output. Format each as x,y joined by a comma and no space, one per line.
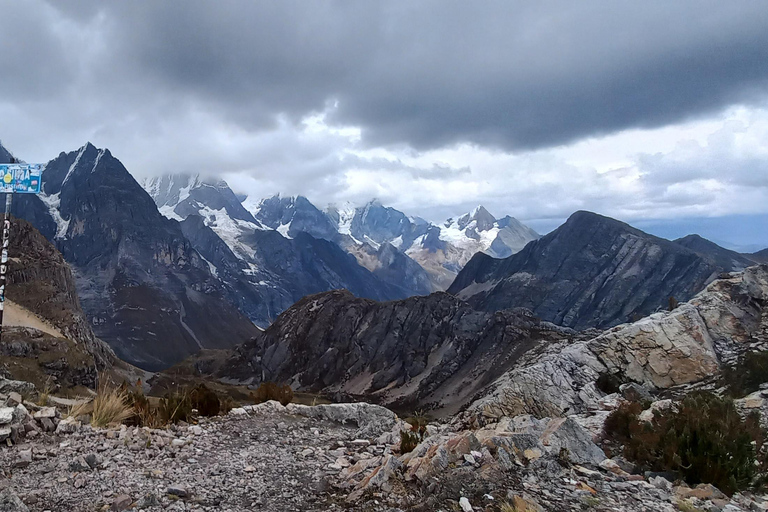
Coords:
42,396
82,409
111,406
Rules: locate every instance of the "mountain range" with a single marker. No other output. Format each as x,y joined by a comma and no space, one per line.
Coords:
406,255
181,263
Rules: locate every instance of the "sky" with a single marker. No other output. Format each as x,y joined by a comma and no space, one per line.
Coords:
652,112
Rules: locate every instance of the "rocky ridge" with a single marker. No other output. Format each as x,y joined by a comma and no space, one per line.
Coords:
592,271
434,352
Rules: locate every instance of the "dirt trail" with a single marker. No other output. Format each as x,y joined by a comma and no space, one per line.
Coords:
18,316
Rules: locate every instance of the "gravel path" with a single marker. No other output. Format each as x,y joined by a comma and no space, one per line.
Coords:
271,462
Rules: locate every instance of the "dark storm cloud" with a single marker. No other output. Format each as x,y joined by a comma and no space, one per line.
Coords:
427,74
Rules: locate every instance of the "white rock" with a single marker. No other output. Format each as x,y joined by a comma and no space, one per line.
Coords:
238,411
6,415
465,505
45,412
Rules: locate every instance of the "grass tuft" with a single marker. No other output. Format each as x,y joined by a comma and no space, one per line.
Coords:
111,406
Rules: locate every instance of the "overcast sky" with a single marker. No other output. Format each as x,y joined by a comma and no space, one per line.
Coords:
652,112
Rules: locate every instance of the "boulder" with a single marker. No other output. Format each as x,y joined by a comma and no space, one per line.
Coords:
13,399
6,415
19,386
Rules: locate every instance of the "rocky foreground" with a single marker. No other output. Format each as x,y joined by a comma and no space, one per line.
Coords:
329,457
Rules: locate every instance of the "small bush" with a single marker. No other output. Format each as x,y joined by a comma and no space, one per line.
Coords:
175,407
408,441
672,304
227,404
746,375
111,406
205,401
419,422
271,391
704,439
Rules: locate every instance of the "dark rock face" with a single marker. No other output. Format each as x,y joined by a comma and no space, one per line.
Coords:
309,265
147,292
381,224
482,217
432,351
721,257
592,271
5,156
215,195
400,271
300,215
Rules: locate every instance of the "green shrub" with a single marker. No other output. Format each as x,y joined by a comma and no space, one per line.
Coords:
418,422
408,440
271,391
205,401
747,374
703,439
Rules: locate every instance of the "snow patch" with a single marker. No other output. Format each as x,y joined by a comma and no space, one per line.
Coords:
283,229
53,202
74,164
168,212
229,230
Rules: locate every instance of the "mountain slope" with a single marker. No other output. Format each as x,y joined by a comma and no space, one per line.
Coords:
146,291
592,271
692,342
52,338
719,256
759,256
432,351
293,215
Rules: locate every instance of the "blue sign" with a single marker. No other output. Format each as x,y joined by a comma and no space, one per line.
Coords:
20,178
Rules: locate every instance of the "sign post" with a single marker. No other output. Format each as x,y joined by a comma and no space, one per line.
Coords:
15,179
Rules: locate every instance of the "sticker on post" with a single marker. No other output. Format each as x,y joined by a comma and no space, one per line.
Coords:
20,178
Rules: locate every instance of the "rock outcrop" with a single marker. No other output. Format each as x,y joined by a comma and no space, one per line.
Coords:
592,271
664,350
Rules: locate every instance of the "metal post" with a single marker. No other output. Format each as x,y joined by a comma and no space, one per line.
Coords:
4,255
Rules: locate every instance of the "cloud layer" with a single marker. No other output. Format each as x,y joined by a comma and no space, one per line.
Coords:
636,109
